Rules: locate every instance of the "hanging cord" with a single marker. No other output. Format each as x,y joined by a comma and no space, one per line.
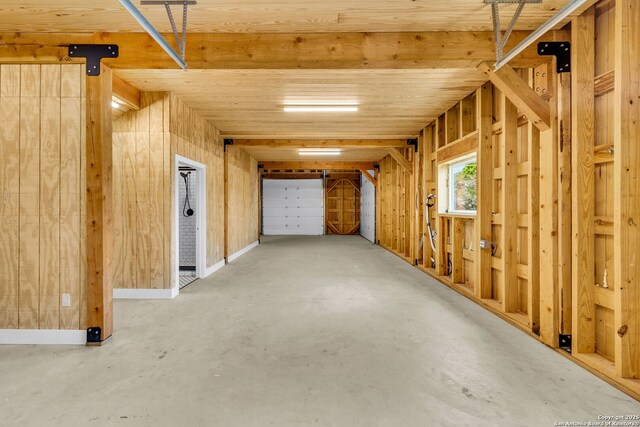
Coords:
186,208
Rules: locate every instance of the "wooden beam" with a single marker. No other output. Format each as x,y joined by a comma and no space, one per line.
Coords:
484,107
399,157
400,50
319,143
626,184
367,175
129,95
465,145
520,94
99,222
316,165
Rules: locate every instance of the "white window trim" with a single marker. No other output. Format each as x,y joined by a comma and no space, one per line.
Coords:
446,206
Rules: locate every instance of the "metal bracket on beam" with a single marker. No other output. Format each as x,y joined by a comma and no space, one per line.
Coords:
562,52
564,342
150,29
500,39
227,141
93,54
376,167
260,166
181,41
94,334
414,142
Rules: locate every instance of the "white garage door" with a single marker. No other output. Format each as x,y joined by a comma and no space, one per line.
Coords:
367,208
292,206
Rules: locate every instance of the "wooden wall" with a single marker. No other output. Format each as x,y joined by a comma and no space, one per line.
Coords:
145,145
560,204
242,199
42,201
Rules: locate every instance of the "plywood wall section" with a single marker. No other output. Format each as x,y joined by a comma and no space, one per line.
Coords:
242,200
142,185
145,145
41,196
195,138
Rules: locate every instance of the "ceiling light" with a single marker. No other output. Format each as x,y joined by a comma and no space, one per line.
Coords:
320,149
115,105
320,108
319,153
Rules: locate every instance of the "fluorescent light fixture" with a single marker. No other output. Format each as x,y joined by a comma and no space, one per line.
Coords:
115,105
319,153
320,108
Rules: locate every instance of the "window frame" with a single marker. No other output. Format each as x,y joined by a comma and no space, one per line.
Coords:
449,206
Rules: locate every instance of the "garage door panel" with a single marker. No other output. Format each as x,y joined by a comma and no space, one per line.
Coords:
293,207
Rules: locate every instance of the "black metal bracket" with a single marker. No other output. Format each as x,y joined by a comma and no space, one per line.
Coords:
94,334
377,167
227,141
564,342
93,54
562,52
414,142
260,166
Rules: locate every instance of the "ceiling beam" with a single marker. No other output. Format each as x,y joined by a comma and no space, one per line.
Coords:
402,50
399,157
319,143
129,95
316,165
520,94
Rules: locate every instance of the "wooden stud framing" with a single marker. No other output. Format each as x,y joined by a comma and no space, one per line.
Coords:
627,189
367,175
126,93
401,159
518,92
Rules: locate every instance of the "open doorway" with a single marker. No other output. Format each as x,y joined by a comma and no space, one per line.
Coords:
190,228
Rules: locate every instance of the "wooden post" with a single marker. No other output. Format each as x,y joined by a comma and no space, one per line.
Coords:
99,203
509,164
549,327
533,224
226,203
457,235
583,113
627,189
484,100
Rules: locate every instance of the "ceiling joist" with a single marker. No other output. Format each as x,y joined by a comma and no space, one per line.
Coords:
314,165
319,143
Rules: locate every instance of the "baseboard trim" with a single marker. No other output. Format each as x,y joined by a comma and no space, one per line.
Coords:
43,336
215,267
243,251
122,293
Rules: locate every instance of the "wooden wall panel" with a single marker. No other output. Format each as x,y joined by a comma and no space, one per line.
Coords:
145,145
243,200
41,172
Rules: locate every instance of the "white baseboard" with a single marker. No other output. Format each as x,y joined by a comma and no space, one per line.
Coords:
121,293
215,267
43,336
243,251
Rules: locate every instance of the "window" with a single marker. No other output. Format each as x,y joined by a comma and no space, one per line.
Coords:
463,186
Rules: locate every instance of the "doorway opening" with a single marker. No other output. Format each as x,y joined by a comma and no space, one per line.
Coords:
190,228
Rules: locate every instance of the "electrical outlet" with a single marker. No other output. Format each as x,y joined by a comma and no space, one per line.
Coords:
66,300
484,244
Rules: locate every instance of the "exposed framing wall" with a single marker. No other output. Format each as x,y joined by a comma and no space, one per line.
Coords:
559,202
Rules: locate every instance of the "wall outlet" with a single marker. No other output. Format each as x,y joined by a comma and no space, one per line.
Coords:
66,300
484,244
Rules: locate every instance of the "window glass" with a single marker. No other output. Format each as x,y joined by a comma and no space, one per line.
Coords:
463,183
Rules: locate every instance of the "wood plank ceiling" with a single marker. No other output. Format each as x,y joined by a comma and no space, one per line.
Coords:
271,16
393,103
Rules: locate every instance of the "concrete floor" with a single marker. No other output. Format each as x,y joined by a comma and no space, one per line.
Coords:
305,331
